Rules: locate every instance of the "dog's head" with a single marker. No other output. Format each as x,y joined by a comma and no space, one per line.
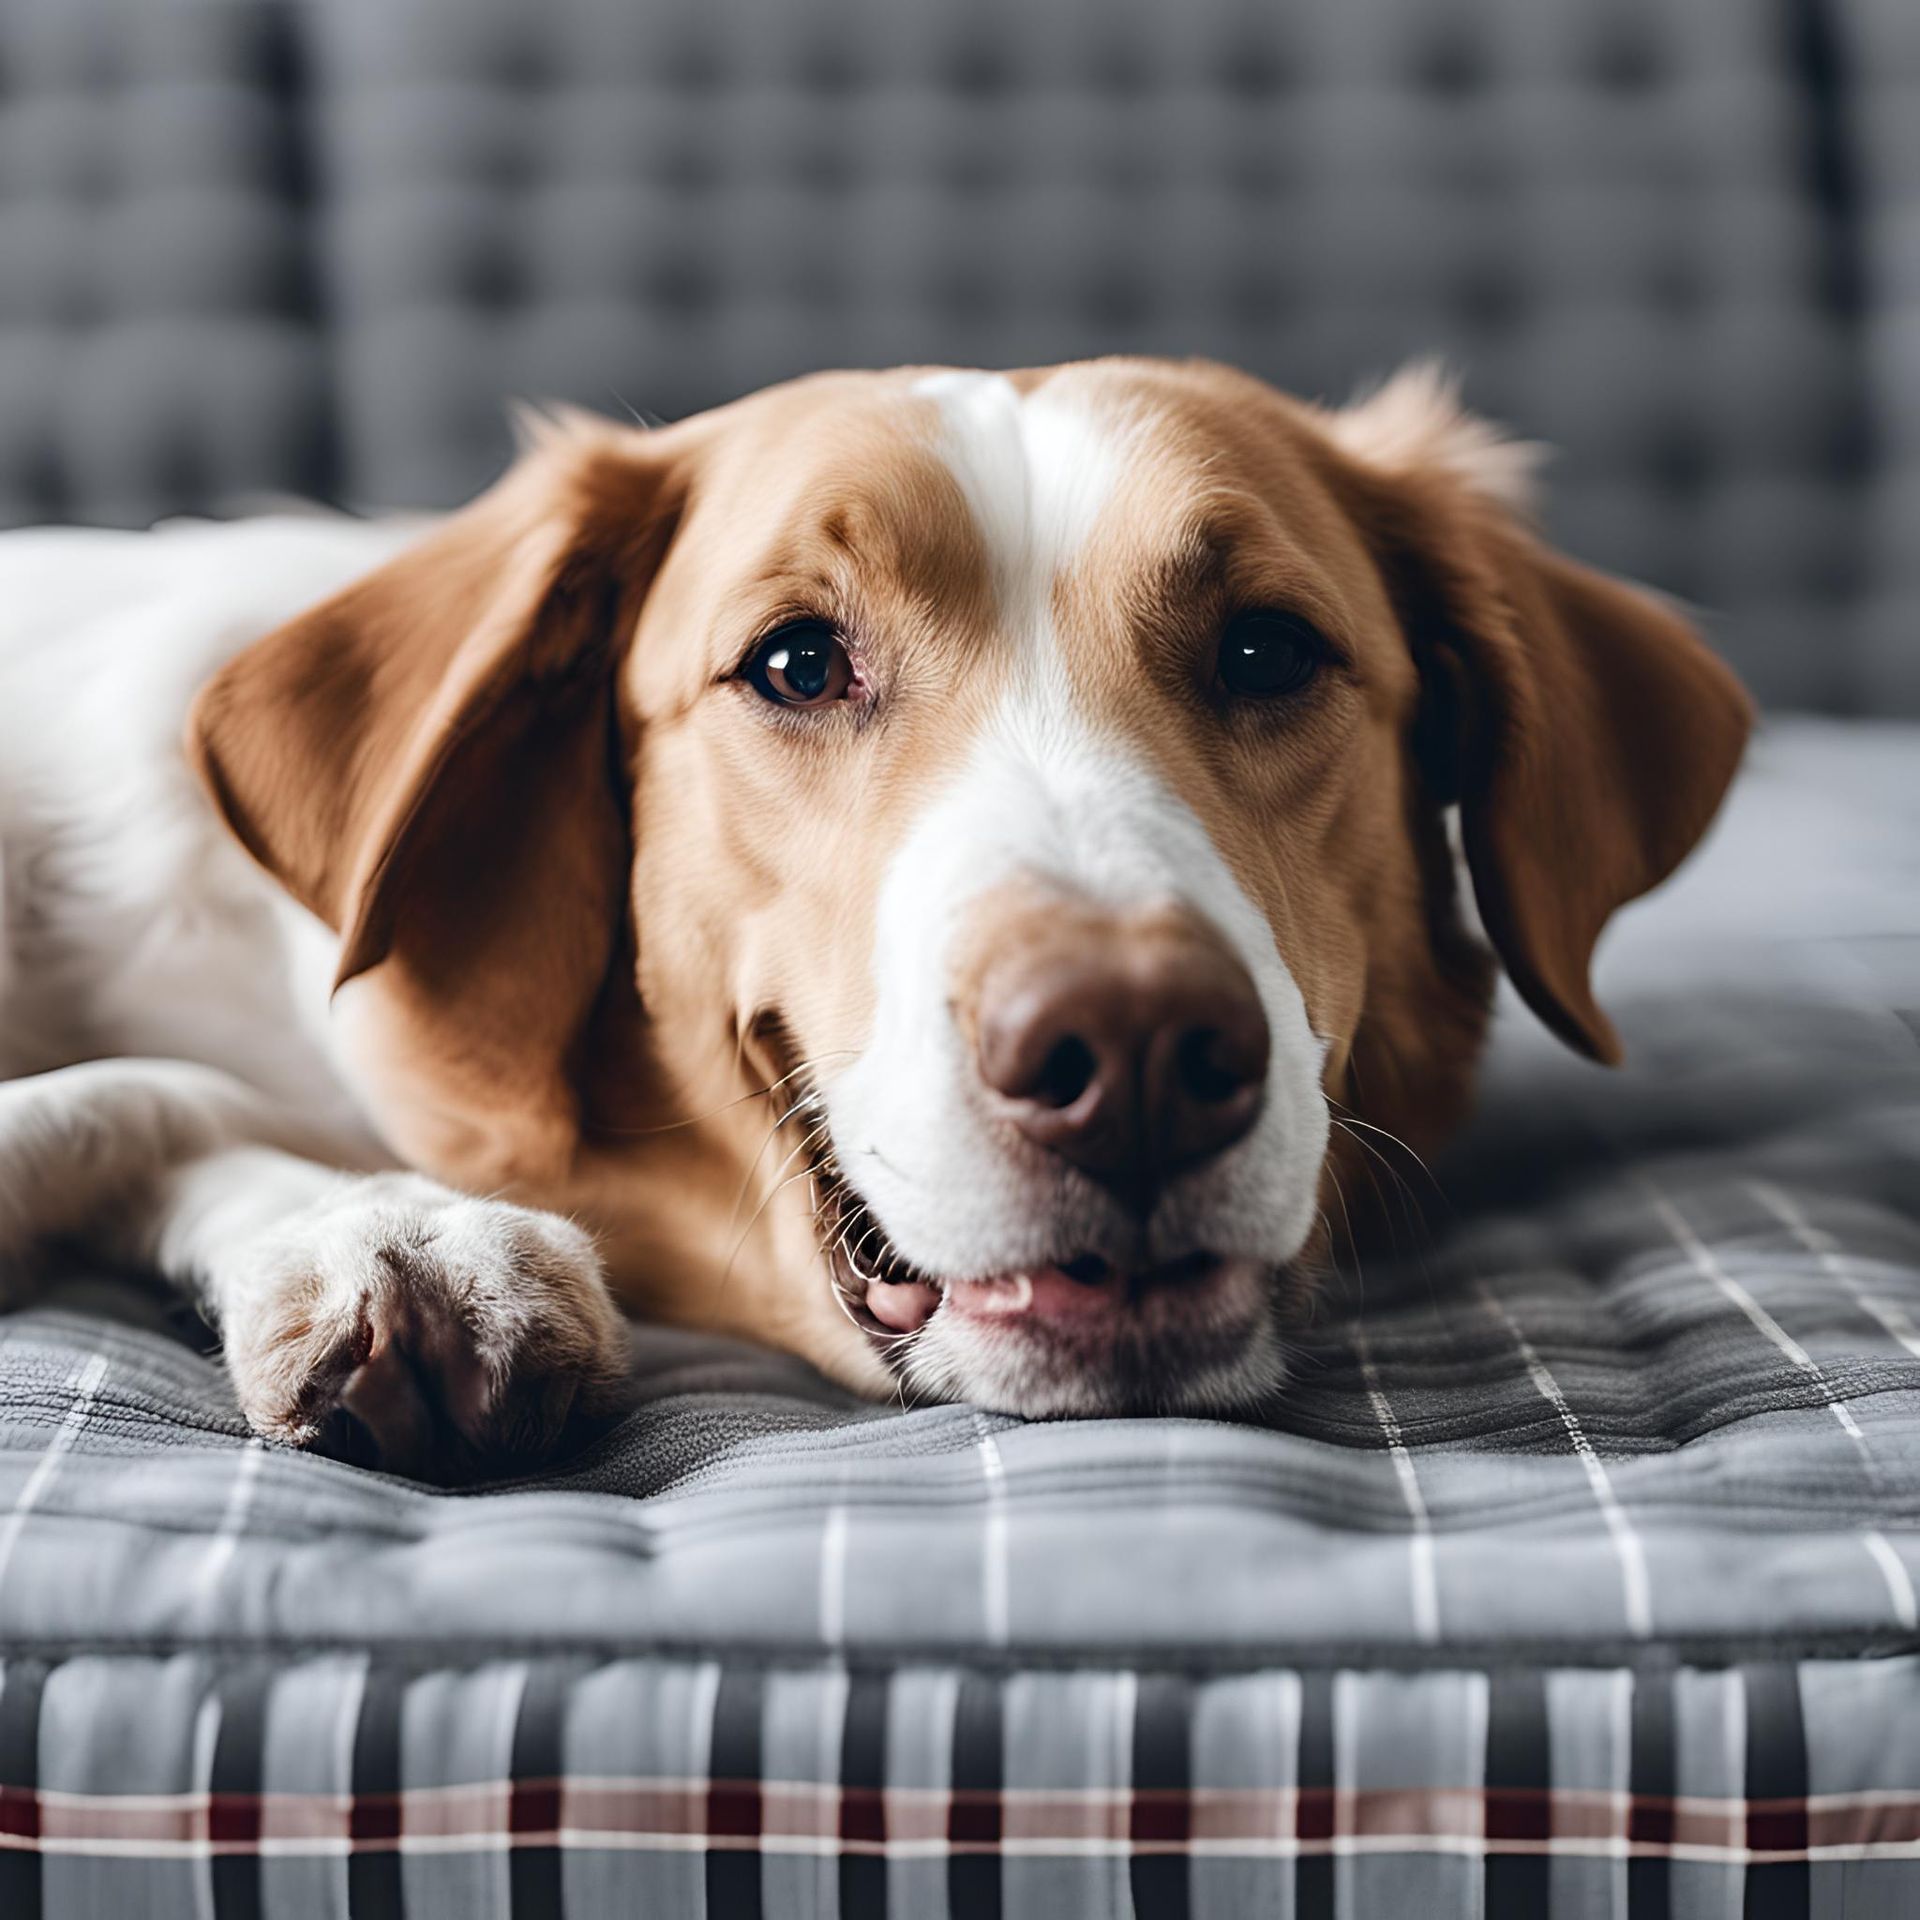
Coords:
1013,807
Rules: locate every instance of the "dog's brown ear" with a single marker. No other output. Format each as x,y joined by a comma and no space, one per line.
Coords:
428,761
1585,730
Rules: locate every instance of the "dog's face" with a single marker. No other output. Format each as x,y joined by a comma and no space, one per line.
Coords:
1030,787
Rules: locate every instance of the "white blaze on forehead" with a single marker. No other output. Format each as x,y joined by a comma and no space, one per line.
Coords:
1036,472
1046,792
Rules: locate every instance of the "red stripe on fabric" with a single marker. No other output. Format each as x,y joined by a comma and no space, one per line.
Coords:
611,1806
863,1814
975,1817
1161,1816
534,1807
1518,1813
1241,1813
1779,1827
1313,1813
234,1819
20,1812
1450,1812
1650,1821
373,1818
1043,1814
1875,1823
735,1813
733,1809
809,1807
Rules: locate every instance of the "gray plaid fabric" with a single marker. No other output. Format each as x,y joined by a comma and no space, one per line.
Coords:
325,1785
1579,1562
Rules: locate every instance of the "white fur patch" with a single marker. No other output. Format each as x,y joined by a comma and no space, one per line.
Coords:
139,940
1036,472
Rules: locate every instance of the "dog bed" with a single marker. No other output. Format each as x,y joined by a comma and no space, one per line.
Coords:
1576,1572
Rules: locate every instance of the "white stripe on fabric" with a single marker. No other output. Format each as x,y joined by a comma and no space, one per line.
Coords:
994,1604
1475,1718
703,1700
1826,1250
1620,1728
206,1739
1126,1707
226,1538
1245,1737
346,1730
506,1725
922,1703
1425,1588
1346,1769
1834,1264
833,1577
803,1718
1900,1595
1736,1765
84,1384
1635,1586
1706,1263
1893,1317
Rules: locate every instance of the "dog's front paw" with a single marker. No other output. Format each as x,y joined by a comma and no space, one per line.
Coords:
459,1334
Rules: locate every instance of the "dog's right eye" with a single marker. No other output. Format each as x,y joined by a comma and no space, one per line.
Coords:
1265,656
804,664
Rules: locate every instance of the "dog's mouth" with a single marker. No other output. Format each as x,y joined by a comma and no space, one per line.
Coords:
1131,1337
887,1298
899,1300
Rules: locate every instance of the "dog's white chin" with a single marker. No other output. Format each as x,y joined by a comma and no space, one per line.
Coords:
1223,1359
1201,1337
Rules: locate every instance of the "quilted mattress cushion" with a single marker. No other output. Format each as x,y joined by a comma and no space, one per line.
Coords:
1659,1379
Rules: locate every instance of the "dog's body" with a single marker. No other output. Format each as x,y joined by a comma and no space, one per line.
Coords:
912,863
172,1090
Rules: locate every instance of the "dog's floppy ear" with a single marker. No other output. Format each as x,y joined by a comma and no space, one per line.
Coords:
1585,730
428,761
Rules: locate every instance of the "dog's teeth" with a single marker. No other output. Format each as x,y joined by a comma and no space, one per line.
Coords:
1007,1293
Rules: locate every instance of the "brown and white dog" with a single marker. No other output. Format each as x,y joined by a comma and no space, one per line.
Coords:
907,867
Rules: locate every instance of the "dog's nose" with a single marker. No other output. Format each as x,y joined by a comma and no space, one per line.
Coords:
1134,1056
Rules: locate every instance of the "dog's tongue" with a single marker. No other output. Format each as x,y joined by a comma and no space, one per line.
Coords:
906,1305
1087,1289
903,1305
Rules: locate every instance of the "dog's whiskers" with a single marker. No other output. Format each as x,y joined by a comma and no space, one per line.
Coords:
782,1181
806,1100
1410,1208
1346,1117
1353,1245
727,1106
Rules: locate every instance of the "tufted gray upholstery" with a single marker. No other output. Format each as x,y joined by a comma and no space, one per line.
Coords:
1883,51
311,244
160,337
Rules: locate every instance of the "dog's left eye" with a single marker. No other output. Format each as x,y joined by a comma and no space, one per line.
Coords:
1264,656
803,665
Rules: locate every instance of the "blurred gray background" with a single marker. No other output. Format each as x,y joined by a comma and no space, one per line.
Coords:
258,247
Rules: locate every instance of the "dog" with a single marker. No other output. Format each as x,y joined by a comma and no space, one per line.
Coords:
908,867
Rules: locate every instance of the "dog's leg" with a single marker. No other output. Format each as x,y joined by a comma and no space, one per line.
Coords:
457,1331
83,1144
